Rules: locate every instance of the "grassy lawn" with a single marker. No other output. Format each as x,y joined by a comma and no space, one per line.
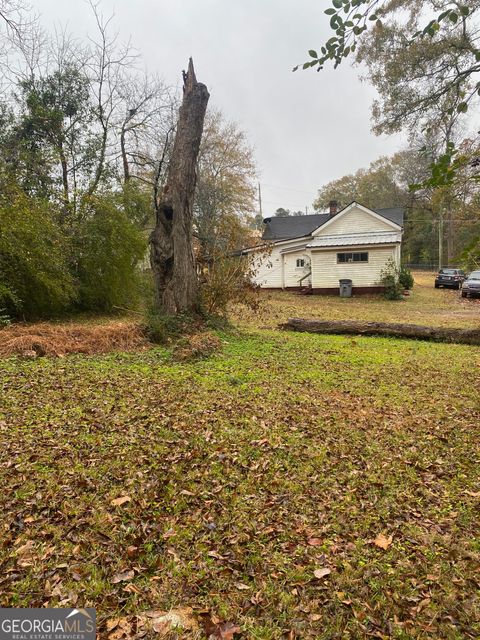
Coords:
245,473
427,306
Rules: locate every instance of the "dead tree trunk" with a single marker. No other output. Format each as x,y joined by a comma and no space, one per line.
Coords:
171,251
392,329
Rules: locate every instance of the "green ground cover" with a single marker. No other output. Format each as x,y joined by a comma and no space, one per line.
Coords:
295,485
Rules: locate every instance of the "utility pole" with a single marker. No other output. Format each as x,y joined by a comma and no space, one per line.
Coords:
260,199
440,239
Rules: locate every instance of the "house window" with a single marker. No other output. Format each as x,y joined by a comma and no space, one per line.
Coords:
352,256
300,263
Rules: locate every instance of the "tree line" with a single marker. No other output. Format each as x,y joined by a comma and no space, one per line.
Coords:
445,216
424,61
85,143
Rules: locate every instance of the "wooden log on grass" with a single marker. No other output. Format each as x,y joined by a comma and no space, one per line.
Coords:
389,329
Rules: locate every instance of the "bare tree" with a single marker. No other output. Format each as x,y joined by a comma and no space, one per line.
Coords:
107,63
172,258
21,38
164,146
226,188
148,106
117,124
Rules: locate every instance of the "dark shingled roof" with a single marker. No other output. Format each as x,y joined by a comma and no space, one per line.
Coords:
395,214
289,227
292,226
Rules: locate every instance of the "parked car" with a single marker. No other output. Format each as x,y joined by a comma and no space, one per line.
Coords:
449,278
471,285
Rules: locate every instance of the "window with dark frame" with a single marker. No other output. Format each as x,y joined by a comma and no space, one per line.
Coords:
300,263
352,256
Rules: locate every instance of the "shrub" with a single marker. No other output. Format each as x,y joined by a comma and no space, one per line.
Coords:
405,278
162,329
470,256
390,279
136,200
4,318
8,297
109,247
34,258
228,279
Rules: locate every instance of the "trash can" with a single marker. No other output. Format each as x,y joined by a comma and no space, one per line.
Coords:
345,288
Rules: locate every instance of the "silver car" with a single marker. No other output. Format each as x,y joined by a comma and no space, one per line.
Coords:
471,285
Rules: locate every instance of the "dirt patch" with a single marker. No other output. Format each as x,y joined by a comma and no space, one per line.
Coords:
47,339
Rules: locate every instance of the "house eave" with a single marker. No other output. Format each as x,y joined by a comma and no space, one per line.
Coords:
295,249
270,243
355,247
283,240
356,240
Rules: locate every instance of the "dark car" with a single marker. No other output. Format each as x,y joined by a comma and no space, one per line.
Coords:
471,285
449,278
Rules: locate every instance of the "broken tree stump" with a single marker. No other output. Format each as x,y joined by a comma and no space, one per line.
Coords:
171,249
388,329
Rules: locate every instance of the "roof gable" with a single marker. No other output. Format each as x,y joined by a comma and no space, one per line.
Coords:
358,218
278,229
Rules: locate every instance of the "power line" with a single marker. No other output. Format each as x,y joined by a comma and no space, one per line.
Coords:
299,207
447,219
273,186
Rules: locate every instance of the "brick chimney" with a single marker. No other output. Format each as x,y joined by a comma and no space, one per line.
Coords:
333,204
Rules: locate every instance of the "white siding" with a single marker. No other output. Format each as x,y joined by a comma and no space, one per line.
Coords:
279,270
326,272
355,220
398,255
293,274
268,269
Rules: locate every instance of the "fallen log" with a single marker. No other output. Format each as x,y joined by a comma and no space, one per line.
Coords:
389,329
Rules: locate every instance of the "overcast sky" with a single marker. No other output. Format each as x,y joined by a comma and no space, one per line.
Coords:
307,128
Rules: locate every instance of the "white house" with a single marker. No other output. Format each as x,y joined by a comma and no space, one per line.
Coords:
316,251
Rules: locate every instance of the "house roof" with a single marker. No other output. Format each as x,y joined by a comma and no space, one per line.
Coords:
356,239
279,228
283,228
394,214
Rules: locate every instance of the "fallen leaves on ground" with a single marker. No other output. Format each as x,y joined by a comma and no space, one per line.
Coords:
215,629
322,573
122,576
275,458
196,346
382,541
163,623
314,542
117,502
54,339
